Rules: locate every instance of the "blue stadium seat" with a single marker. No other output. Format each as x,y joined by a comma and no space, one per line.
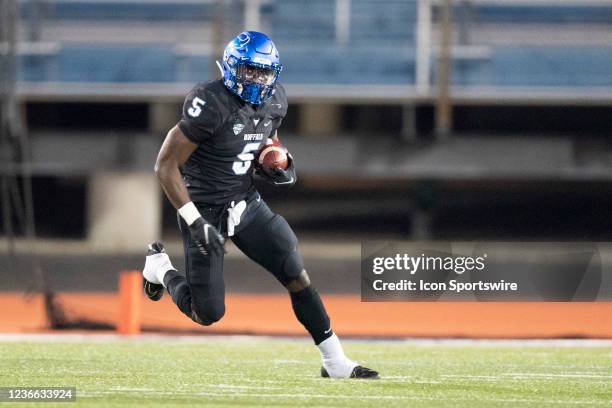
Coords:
112,63
119,10
198,69
392,24
507,66
552,66
549,14
34,68
305,34
538,66
349,66
294,21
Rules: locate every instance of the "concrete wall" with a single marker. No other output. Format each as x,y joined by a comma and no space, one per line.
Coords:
124,210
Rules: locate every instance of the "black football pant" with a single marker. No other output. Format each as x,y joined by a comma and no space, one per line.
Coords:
267,239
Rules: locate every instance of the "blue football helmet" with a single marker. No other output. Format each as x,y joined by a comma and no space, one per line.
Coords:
251,67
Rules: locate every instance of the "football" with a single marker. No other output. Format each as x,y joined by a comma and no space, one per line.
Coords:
273,155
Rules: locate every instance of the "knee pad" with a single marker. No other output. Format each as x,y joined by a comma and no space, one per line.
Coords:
208,312
292,269
300,283
199,320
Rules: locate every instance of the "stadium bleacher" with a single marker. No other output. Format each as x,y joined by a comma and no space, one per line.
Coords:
531,66
542,13
382,48
390,24
300,22
506,66
87,10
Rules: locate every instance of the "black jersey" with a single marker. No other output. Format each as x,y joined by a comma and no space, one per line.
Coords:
228,132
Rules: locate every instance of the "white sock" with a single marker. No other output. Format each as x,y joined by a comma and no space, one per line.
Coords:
156,266
334,361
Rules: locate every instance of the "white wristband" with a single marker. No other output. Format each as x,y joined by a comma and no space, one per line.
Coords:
189,212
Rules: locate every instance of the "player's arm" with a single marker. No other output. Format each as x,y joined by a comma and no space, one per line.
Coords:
174,152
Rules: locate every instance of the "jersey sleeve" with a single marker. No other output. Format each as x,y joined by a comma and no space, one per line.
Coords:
200,117
279,106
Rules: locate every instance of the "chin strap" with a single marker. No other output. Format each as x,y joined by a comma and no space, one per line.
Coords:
219,66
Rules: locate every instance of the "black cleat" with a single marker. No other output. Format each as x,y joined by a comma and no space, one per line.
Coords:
358,372
365,373
154,291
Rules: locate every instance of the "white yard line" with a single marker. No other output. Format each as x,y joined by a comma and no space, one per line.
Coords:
546,375
524,376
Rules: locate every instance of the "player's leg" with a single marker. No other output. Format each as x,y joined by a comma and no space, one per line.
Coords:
200,294
268,239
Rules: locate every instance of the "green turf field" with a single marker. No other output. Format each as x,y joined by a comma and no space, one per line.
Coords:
269,372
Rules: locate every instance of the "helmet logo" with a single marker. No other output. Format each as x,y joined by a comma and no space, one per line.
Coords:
243,40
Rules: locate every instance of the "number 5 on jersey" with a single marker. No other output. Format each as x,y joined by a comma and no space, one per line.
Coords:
241,166
196,107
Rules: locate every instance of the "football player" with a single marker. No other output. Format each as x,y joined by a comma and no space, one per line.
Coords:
205,167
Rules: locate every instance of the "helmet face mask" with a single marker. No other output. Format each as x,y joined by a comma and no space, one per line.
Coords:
255,74
251,67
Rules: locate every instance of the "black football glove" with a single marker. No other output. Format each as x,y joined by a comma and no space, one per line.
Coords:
279,177
207,238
